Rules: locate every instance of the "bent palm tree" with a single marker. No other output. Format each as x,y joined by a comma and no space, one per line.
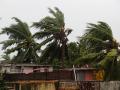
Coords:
54,35
20,40
99,38
96,36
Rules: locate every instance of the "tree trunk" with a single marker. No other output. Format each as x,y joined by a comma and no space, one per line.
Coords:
62,55
63,42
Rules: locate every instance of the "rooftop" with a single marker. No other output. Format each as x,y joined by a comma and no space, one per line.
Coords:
28,65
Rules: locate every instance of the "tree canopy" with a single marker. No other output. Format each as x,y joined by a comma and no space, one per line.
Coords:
54,35
20,39
100,49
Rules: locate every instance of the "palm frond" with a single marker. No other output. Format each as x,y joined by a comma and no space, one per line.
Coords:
42,34
24,27
50,52
52,28
87,59
8,51
8,43
102,29
68,31
44,42
109,57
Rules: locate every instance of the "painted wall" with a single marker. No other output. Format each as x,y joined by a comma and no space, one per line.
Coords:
70,85
41,86
27,70
85,75
24,69
80,76
89,76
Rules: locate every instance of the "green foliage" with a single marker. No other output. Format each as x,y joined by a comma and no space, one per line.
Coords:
95,36
51,52
98,37
109,57
6,58
110,65
53,34
91,58
112,53
20,39
73,52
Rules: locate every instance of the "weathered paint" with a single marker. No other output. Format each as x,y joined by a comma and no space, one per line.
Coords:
34,85
80,75
28,70
68,86
85,75
71,85
88,75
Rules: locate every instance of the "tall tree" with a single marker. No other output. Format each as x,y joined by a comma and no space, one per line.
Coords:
20,39
54,34
98,47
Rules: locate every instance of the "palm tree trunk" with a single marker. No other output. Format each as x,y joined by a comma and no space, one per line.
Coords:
62,55
63,42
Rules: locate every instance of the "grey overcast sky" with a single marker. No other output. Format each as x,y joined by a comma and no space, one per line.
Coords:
77,13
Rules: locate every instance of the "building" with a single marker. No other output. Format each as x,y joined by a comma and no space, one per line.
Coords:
24,68
37,77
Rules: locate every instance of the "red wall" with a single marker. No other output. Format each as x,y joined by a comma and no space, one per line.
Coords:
88,75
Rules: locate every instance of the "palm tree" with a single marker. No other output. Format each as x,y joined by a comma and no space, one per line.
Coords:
96,36
20,39
98,47
53,33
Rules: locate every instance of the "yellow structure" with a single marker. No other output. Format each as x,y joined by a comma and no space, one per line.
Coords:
32,85
99,75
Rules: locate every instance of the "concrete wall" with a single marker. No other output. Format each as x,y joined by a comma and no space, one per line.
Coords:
112,85
70,85
84,85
